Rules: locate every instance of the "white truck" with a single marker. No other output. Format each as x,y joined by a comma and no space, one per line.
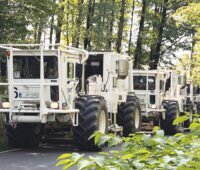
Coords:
64,91
163,97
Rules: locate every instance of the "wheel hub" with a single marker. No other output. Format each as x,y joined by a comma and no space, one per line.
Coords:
137,118
102,122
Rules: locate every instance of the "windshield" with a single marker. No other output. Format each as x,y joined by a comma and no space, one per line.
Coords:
28,67
140,83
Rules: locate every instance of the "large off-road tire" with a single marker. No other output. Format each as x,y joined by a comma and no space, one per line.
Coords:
189,109
198,107
93,116
24,135
129,115
172,111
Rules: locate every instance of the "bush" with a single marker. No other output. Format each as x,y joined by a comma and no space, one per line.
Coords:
142,151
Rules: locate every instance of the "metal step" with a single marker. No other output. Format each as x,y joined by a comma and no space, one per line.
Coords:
117,130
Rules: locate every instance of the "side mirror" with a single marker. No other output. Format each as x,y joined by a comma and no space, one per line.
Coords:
123,68
182,80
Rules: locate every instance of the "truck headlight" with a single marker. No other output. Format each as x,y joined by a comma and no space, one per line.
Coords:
5,105
54,105
152,106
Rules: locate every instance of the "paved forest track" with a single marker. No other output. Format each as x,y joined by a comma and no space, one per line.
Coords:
40,158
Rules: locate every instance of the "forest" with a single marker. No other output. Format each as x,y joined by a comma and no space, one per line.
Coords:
150,31
155,34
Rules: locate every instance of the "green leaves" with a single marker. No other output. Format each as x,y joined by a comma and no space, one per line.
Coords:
63,156
180,119
187,18
194,126
20,17
142,151
101,139
84,164
68,160
127,156
190,13
155,129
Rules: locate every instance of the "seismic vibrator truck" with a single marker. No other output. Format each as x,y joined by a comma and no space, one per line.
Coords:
164,95
54,91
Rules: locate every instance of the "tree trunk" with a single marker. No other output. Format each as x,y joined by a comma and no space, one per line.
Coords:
51,29
35,32
58,32
79,18
39,33
67,24
90,13
138,51
79,22
155,29
160,36
192,52
111,24
121,27
131,29
59,24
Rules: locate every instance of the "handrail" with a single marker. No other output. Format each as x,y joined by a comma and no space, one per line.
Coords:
81,51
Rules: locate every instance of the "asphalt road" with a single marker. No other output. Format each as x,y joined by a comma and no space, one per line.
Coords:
41,158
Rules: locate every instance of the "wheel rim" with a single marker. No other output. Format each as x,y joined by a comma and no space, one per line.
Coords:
102,122
137,118
178,126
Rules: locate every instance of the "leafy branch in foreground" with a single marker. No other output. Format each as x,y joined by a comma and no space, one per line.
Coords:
142,151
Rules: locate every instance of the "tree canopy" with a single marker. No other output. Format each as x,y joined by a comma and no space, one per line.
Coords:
189,16
149,31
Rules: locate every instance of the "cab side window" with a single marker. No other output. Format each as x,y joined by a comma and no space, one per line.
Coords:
70,70
50,67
